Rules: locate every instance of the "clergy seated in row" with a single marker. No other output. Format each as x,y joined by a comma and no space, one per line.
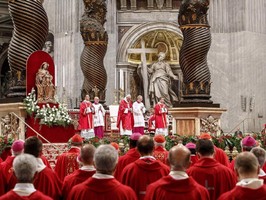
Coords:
67,162
25,168
102,185
177,185
160,153
131,156
219,154
86,171
247,144
193,156
249,185
144,171
209,172
46,179
260,154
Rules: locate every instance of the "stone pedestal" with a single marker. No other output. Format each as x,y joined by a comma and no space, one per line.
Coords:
194,120
6,110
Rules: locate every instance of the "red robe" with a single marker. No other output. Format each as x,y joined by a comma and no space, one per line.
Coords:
67,163
151,125
45,161
139,174
8,172
47,182
131,156
168,188
194,159
34,196
215,177
242,193
101,189
79,176
160,154
126,118
160,116
85,119
2,182
221,157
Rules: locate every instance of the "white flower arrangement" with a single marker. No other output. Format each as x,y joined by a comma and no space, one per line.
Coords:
48,116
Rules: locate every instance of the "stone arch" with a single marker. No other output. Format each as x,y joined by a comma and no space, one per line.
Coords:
137,31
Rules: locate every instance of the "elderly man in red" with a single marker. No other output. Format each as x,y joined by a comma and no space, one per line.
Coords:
249,186
160,153
260,154
177,185
219,154
131,156
125,119
86,111
67,162
144,171
208,172
161,122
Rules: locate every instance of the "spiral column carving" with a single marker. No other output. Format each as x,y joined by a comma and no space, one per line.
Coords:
95,39
193,22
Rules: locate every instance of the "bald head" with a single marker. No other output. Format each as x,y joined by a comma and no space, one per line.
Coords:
87,153
246,165
145,145
179,158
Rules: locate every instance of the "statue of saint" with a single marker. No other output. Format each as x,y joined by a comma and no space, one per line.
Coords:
160,81
44,84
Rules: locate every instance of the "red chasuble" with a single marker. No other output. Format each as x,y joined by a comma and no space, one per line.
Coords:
242,193
141,173
2,182
215,177
221,157
168,188
47,182
101,189
126,119
8,172
160,154
160,115
131,156
67,163
34,196
79,176
85,119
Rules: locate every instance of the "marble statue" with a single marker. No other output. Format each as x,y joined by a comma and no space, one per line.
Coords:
160,81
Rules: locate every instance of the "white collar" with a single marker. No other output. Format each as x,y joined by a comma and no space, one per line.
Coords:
252,183
262,173
24,189
151,157
178,175
98,175
88,168
40,165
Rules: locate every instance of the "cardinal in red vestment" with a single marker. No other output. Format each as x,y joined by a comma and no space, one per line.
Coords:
144,171
249,186
193,156
125,120
208,172
102,185
67,162
83,173
161,122
131,156
219,154
177,185
25,167
46,180
160,153
86,111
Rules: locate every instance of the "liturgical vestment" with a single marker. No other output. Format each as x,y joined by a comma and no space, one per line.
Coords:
160,154
144,171
11,195
125,118
168,188
215,177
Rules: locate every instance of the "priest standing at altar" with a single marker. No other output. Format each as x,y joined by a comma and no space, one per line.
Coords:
98,118
160,111
86,118
125,119
138,113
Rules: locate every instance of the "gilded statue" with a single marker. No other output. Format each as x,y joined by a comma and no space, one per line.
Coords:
160,81
44,84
